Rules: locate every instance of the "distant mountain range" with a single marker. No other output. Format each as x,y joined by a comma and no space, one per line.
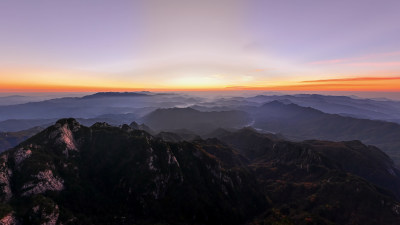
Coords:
73,174
297,117
141,103
301,123
95,105
343,105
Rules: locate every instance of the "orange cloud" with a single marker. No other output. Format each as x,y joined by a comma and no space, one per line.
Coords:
354,79
387,84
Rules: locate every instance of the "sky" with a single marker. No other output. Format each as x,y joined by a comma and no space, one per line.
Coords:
108,45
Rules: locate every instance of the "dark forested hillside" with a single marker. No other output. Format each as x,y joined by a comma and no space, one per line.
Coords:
200,122
72,174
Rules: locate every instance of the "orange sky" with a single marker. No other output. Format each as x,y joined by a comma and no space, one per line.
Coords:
387,84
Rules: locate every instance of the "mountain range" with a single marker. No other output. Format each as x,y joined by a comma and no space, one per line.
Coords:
382,109
296,117
73,174
301,123
92,106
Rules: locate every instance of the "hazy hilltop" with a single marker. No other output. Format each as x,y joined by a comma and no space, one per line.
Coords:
73,174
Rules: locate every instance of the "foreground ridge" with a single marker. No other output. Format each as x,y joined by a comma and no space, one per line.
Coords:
73,174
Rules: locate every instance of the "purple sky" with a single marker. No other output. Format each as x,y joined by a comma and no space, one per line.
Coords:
158,43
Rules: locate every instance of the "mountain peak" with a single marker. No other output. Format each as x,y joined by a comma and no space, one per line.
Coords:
64,133
134,125
70,122
101,124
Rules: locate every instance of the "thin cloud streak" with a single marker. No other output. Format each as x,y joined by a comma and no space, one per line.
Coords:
391,84
376,64
353,79
352,59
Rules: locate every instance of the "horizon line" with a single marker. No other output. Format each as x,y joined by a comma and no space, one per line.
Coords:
372,84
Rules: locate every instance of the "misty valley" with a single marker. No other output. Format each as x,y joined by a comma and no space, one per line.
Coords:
186,158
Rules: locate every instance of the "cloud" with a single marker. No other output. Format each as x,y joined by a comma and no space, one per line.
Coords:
391,84
353,59
258,70
375,64
352,79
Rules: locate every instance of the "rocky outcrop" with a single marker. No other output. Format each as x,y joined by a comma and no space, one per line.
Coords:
9,219
48,215
21,154
64,136
5,176
43,181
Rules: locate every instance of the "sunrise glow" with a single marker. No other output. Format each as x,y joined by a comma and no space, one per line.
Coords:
207,45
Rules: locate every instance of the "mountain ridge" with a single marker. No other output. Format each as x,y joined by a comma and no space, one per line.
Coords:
73,174
302,123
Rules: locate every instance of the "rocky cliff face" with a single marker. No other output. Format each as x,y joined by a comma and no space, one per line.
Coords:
72,174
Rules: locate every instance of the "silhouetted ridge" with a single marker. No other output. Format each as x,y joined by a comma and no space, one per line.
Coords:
116,94
100,124
68,121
